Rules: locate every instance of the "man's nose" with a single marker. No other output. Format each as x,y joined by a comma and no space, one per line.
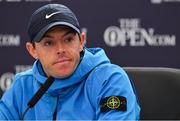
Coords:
60,48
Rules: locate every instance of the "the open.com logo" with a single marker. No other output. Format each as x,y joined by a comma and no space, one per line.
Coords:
160,1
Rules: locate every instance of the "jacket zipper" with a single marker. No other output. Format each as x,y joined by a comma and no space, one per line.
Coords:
55,112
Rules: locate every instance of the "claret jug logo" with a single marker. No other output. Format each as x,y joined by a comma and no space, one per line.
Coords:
6,80
130,33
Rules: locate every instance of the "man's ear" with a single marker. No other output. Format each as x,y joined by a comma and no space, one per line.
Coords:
82,40
32,50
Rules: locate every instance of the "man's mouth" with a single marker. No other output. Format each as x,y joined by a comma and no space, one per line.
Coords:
62,61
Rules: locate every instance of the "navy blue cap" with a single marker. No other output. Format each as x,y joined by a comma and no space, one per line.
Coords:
48,16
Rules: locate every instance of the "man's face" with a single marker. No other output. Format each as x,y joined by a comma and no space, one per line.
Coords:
58,51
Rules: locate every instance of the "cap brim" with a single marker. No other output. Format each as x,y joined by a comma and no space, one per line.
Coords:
40,34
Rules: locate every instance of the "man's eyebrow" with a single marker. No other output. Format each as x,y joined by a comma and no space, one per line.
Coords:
71,31
65,34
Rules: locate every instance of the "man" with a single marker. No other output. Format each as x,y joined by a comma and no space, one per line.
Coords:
86,85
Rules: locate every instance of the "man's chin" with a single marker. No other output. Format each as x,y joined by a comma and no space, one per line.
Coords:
63,76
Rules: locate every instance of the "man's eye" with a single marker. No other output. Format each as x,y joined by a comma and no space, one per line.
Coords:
69,39
48,43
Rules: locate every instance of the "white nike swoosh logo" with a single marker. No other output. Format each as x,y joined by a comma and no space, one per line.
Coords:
48,16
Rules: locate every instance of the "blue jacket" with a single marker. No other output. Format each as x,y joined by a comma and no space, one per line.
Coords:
78,97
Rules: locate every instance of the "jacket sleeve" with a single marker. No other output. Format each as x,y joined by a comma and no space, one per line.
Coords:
8,103
5,114
115,96
2,116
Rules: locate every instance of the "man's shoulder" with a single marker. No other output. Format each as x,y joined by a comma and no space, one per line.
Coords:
109,68
108,73
22,81
28,74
